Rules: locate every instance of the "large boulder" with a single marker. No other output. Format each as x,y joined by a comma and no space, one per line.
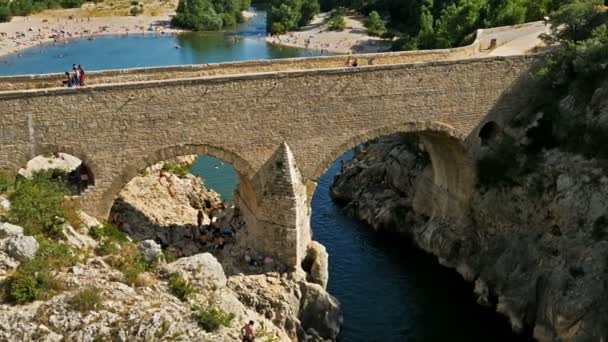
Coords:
319,311
21,247
316,264
8,230
202,270
151,250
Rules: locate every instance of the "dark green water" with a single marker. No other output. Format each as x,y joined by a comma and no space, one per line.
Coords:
389,291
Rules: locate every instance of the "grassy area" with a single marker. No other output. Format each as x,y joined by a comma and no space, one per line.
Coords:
35,279
86,300
125,256
212,319
180,287
177,169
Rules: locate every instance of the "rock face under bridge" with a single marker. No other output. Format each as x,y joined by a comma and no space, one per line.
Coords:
280,130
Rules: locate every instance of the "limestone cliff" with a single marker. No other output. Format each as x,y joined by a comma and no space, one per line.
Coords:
535,241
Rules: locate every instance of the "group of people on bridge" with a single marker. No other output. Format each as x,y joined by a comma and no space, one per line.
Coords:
76,77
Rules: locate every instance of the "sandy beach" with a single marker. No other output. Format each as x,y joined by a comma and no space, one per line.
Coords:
316,36
59,26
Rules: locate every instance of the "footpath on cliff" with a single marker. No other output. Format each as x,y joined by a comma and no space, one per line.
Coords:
144,276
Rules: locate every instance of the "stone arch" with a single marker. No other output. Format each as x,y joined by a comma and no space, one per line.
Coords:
44,149
120,180
453,170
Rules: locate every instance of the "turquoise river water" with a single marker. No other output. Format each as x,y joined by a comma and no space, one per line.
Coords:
389,291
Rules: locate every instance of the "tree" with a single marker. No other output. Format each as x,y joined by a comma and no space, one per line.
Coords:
511,13
374,24
290,14
457,21
209,14
426,37
5,13
283,18
573,22
309,9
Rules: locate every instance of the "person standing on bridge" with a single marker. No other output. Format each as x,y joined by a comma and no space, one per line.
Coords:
82,74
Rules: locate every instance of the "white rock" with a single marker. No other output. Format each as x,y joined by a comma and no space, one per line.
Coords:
21,247
151,250
5,203
78,240
201,269
7,230
88,220
317,256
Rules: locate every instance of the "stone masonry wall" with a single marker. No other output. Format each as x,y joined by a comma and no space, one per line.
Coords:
120,129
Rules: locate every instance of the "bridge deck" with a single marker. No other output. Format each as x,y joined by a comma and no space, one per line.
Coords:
479,48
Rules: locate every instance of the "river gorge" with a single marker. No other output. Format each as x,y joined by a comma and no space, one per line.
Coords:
388,289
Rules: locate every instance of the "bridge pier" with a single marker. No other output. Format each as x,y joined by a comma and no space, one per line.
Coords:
275,207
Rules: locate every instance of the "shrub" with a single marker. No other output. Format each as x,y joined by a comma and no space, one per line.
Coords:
108,233
337,23
228,20
86,300
211,319
180,287
207,15
136,10
375,25
6,179
177,169
5,13
127,259
34,279
38,204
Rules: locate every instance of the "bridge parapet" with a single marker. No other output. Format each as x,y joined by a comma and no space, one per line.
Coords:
482,41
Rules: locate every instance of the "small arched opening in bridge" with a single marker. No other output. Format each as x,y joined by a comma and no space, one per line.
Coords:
489,132
409,175
183,200
76,173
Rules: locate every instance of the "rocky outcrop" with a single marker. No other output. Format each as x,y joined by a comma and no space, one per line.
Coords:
21,247
162,206
8,230
157,205
202,270
14,248
316,264
380,184
304,310
535,245
124,313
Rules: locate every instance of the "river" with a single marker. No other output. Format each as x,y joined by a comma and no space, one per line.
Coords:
389,291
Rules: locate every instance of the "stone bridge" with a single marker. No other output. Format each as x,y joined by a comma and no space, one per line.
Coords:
281,124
